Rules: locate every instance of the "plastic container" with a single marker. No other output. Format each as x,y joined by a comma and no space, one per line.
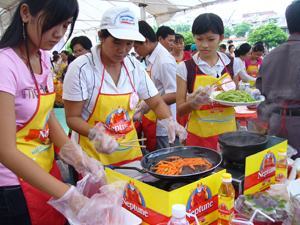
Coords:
281,166
226,200
178,215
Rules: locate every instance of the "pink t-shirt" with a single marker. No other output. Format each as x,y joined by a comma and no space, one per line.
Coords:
16,79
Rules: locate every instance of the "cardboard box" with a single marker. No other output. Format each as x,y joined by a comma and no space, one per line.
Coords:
260,170
154,205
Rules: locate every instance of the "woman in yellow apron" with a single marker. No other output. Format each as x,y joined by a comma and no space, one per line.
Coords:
29,130
102,89
255,60
206,120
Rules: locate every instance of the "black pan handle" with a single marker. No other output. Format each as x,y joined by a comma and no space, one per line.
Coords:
126,168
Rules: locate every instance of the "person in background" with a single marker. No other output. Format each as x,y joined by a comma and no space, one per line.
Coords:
231,49
229,42
278,81
194,80
255,60
222,48
80,45
242,53
178,49
102,90
29,130
161,67
166,37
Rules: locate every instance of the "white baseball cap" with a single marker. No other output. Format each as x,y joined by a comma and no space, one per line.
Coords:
122,24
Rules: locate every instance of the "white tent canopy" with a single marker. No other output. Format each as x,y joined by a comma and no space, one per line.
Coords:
92,10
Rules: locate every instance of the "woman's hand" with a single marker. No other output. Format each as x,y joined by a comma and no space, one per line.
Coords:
104,143
72,154
174,129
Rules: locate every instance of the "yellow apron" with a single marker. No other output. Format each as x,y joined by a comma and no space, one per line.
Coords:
114,112
206,123
210,120
33,140
252,69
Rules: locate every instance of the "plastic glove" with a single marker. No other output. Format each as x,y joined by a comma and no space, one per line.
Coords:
200,97
104,208
104,143
89,186
173,129
72,154
141,109
70,204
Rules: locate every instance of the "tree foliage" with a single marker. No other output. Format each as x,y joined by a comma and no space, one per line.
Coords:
188,38
181,28
240,30
227,32
271,34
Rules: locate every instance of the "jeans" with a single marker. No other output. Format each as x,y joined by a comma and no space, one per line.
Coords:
13,208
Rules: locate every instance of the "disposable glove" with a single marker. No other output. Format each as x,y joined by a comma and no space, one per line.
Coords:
72,154
103,142
102,208
141,109
200,97
173,129
70,204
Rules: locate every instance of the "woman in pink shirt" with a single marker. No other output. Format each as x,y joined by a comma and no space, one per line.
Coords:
254,62
29,129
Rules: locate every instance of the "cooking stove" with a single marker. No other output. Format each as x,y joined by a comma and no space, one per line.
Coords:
236,170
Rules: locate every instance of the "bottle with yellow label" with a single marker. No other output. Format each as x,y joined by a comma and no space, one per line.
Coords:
226,200
281,166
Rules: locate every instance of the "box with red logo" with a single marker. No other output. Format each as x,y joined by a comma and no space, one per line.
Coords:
260,168
154,205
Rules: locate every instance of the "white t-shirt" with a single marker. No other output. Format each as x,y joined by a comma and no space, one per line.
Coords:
239,67
83,79
162,67
215,70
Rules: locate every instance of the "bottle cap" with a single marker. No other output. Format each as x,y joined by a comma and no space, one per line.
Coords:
282,151
178,211
226,177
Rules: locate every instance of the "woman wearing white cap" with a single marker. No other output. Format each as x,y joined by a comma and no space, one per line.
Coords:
102,89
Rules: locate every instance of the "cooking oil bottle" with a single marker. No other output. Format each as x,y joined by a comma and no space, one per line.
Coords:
281,166
226,200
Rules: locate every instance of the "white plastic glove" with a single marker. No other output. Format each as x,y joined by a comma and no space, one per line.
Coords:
173,129
141,109
104,143
102,208
72,154
70,204
200,96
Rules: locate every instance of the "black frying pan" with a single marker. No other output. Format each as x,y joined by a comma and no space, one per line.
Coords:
151,159
238,145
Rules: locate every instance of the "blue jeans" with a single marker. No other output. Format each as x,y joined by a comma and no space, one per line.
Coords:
13,208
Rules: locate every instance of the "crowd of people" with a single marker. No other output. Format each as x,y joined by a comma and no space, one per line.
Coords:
111,99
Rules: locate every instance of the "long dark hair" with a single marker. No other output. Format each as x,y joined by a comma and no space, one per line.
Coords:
242,50
54,12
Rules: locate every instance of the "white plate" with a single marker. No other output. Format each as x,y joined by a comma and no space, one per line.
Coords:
227,103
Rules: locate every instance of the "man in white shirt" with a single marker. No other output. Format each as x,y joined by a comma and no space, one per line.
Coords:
161,67
166,36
